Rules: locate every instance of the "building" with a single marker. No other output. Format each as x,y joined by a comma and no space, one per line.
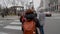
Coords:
44,4
16,9
50,5
53,5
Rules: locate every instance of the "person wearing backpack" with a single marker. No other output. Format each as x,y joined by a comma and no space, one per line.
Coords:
31,18
29,26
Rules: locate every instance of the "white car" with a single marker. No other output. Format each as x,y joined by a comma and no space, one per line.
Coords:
48,14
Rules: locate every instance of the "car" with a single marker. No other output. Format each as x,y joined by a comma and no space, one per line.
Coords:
48,14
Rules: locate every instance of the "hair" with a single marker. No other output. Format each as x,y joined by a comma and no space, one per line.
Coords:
29,11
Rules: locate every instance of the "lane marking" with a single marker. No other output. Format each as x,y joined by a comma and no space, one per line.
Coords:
16,20
13,27
1,21
16,23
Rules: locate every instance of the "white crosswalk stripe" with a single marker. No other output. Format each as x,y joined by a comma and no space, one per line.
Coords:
16,20
13,25
1,21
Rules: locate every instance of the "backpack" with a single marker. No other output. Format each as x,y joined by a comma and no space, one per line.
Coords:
29,27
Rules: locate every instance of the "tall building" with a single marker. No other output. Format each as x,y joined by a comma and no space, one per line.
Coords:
53,4
50,5
44,4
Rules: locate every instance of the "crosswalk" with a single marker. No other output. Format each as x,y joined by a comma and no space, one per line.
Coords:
3,33
1,21
15,25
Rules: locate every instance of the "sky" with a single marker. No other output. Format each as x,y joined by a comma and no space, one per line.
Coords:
8,3
36,4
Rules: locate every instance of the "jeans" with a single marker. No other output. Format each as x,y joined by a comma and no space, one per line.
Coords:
41,30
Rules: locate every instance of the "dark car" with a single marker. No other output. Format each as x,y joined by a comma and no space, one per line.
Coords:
48,14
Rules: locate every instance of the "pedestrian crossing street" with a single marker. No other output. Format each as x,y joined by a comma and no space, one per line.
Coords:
15,25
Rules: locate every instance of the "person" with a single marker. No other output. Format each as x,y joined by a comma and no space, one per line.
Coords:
42,21
22,19
30,11
2,14
30,14
18,14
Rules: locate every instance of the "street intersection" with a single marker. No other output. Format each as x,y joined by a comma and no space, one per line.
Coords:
12,25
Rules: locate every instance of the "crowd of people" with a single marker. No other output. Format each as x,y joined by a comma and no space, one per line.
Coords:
31,20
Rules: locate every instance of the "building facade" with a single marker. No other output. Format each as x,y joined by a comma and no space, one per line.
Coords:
53,5
50,5
44,5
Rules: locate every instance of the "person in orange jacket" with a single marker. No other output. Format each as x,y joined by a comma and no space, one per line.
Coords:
30,14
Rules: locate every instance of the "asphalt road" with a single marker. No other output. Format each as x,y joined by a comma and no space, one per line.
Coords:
10,27
52,26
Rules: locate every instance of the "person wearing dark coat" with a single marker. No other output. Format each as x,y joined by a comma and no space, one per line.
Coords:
31,15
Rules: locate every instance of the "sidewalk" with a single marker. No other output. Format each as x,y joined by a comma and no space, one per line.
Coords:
9,17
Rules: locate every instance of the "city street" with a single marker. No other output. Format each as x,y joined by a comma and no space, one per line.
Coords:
52,24
13,26
11,10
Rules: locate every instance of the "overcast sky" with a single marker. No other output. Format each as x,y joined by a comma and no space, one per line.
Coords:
9,2
37,3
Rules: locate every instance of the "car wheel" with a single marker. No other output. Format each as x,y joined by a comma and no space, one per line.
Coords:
50,15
